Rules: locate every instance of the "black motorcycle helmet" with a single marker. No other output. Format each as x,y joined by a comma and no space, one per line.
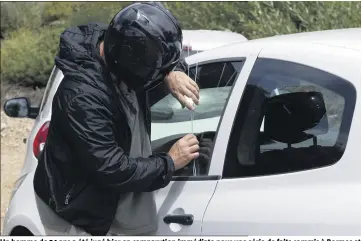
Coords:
142,44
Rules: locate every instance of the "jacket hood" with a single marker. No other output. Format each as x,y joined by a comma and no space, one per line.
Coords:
78,50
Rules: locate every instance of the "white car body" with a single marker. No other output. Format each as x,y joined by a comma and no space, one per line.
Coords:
318,202
195,41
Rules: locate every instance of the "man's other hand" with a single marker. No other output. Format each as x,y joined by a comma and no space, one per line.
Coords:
181,85
184,150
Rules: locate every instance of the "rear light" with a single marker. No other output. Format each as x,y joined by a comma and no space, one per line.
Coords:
40,139
187,48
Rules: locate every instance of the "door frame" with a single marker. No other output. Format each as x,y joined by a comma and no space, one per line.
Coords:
228,115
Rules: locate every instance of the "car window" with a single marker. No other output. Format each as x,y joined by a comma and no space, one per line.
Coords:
170,121
50,83
253,152
215,81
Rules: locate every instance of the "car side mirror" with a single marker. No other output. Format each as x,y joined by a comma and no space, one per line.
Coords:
295,117
20,108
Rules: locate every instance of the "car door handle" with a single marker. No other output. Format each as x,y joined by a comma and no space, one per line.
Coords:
186,219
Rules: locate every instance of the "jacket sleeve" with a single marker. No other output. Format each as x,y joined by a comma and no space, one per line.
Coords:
182,65
90,132
160,91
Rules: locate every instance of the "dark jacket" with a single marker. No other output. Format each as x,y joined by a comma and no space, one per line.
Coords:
84,166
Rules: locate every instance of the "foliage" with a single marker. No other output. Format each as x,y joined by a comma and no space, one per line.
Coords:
103,12
55,11
27,56
15,15
263,19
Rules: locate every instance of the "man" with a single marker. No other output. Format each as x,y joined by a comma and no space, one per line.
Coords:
97,168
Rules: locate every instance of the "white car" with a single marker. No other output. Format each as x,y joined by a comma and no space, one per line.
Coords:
196,41
284,114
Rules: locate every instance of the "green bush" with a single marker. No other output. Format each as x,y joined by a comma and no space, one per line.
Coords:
314,16
58,11
103,12
27,56
263,19
15,15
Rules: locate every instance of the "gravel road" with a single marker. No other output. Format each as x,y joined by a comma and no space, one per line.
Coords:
13,131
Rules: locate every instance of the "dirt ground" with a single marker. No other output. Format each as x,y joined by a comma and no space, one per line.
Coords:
13,131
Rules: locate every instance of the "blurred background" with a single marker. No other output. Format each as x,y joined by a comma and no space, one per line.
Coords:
30,34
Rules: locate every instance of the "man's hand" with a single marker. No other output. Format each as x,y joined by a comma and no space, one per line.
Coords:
202,161
184,150
181,85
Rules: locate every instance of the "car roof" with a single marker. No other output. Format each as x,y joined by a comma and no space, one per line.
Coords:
340,38
345,38
208,39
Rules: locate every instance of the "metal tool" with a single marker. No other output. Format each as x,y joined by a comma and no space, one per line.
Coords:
192,114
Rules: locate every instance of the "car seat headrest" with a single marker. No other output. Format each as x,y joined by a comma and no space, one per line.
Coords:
295,117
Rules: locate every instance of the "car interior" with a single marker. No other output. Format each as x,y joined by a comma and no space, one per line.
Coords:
215,75
289,120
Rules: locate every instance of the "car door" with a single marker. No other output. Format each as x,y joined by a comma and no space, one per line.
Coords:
310,187
182,204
